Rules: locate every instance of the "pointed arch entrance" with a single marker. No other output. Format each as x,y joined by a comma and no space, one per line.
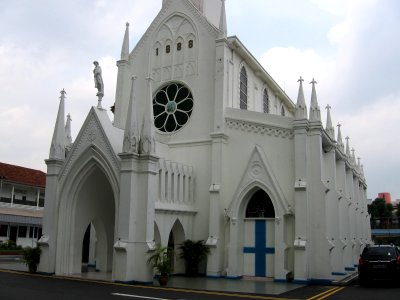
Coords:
259,236
90,210
176,237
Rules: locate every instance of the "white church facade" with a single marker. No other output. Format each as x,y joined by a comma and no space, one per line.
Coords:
204,145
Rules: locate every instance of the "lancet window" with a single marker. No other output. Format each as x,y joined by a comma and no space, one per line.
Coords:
266,101
243,88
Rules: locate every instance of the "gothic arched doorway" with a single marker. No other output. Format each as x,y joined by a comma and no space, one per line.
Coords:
93,213
259,236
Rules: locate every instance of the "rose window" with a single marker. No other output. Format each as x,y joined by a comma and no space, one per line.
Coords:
172,107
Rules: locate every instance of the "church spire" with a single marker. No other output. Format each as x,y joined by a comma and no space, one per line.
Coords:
222,21
301,108
315,113
68,137
131,135
339,137
57,148
125,44
147,141
347,147
329,127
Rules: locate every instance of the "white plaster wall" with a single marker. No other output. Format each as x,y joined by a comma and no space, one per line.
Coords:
255,89
278,151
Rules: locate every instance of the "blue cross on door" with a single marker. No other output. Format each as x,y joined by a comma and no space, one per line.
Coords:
260,250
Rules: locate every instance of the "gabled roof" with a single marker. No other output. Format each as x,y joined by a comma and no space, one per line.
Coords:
240,49
22,175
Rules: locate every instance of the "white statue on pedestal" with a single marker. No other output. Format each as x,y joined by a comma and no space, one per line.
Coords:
98,81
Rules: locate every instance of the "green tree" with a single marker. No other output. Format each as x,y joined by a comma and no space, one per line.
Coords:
379,209
398,210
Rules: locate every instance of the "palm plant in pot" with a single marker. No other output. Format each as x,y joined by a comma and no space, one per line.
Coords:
32,257
193,253
161,262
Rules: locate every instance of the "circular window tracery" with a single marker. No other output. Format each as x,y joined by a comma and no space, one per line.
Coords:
172,107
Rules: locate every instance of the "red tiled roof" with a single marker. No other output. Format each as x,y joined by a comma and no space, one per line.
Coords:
22,175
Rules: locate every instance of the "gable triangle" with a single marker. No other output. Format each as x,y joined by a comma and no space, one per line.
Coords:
93,134
258,173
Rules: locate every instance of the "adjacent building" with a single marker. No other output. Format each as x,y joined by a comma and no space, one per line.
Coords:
21,204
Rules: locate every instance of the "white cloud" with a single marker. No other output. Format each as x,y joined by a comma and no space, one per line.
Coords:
357,78
286,65
51,45
373,135
337,7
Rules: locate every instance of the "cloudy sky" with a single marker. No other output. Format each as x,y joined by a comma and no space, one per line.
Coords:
351,47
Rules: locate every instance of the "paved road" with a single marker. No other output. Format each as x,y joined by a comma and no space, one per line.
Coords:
22,286
376,291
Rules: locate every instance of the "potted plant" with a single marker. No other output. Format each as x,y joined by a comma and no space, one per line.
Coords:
32,257
193,253
161,263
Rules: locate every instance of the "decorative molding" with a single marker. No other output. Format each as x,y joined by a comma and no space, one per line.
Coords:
258,128
174,209
191,143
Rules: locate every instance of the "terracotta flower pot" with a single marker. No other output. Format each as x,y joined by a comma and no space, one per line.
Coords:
163,279
32,268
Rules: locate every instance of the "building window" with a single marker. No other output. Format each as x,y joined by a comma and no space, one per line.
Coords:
260,206
266,101
243,88
179,46
168,48
190,44
283,111
33,231
172,107
22,231
3,230
156,51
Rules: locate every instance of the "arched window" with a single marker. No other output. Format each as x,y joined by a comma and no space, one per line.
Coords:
283,111
266,101
243,88
260,206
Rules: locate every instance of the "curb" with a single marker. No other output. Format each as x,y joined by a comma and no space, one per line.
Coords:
347,280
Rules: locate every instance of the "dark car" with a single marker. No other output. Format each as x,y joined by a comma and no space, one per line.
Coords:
379,262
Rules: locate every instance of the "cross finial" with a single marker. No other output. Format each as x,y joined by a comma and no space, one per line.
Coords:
339,125
300,79
313,81
347,138
63,93
127,24
328,107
